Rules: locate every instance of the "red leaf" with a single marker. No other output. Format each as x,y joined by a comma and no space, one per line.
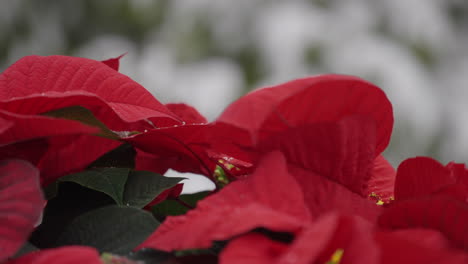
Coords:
173,192
309,100
30,150
187,113
422,176
192,148
458,190
381,184
37,84
342,152
315,244
199,228
323,195
352,235
252,249
68,154
447,215
56,146
182,148
318,242
21,204
149,162
238,208
58,156
233,167
416,246
4,125
432,238
62,255
26,127
114,63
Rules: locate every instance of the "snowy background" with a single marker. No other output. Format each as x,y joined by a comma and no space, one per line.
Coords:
208,53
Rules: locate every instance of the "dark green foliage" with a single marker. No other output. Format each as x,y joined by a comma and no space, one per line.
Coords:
174,207
111,229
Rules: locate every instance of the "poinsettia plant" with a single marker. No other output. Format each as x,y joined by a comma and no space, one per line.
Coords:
298,168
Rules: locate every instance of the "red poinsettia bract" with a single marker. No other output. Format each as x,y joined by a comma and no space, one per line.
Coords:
270,198
344,239
21,204
324,219
250,125
63,255
272,114
34,87
241,206
303,161
430,195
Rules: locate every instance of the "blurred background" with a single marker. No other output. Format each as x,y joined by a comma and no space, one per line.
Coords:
209,52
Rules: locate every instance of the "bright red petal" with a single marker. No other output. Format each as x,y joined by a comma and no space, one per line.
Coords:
342,152
149,162
114,63
182,148
318,242
4,125
458,190
315,99
381,184
445,214
269,198
323,195
416,246
37,84
62,255
425,237
199,228
30,150
68,154
187,113
26,127
315,244
21,204
421,176
60,155
252,249
195,148
169,193
56,146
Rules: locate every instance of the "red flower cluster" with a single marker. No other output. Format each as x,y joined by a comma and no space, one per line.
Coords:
298,166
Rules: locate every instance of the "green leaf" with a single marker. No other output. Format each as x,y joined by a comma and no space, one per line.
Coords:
168,208
192,199
143,186
83,115
172,207
149,255
126,187
25,249
110,181
111,229
71,201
